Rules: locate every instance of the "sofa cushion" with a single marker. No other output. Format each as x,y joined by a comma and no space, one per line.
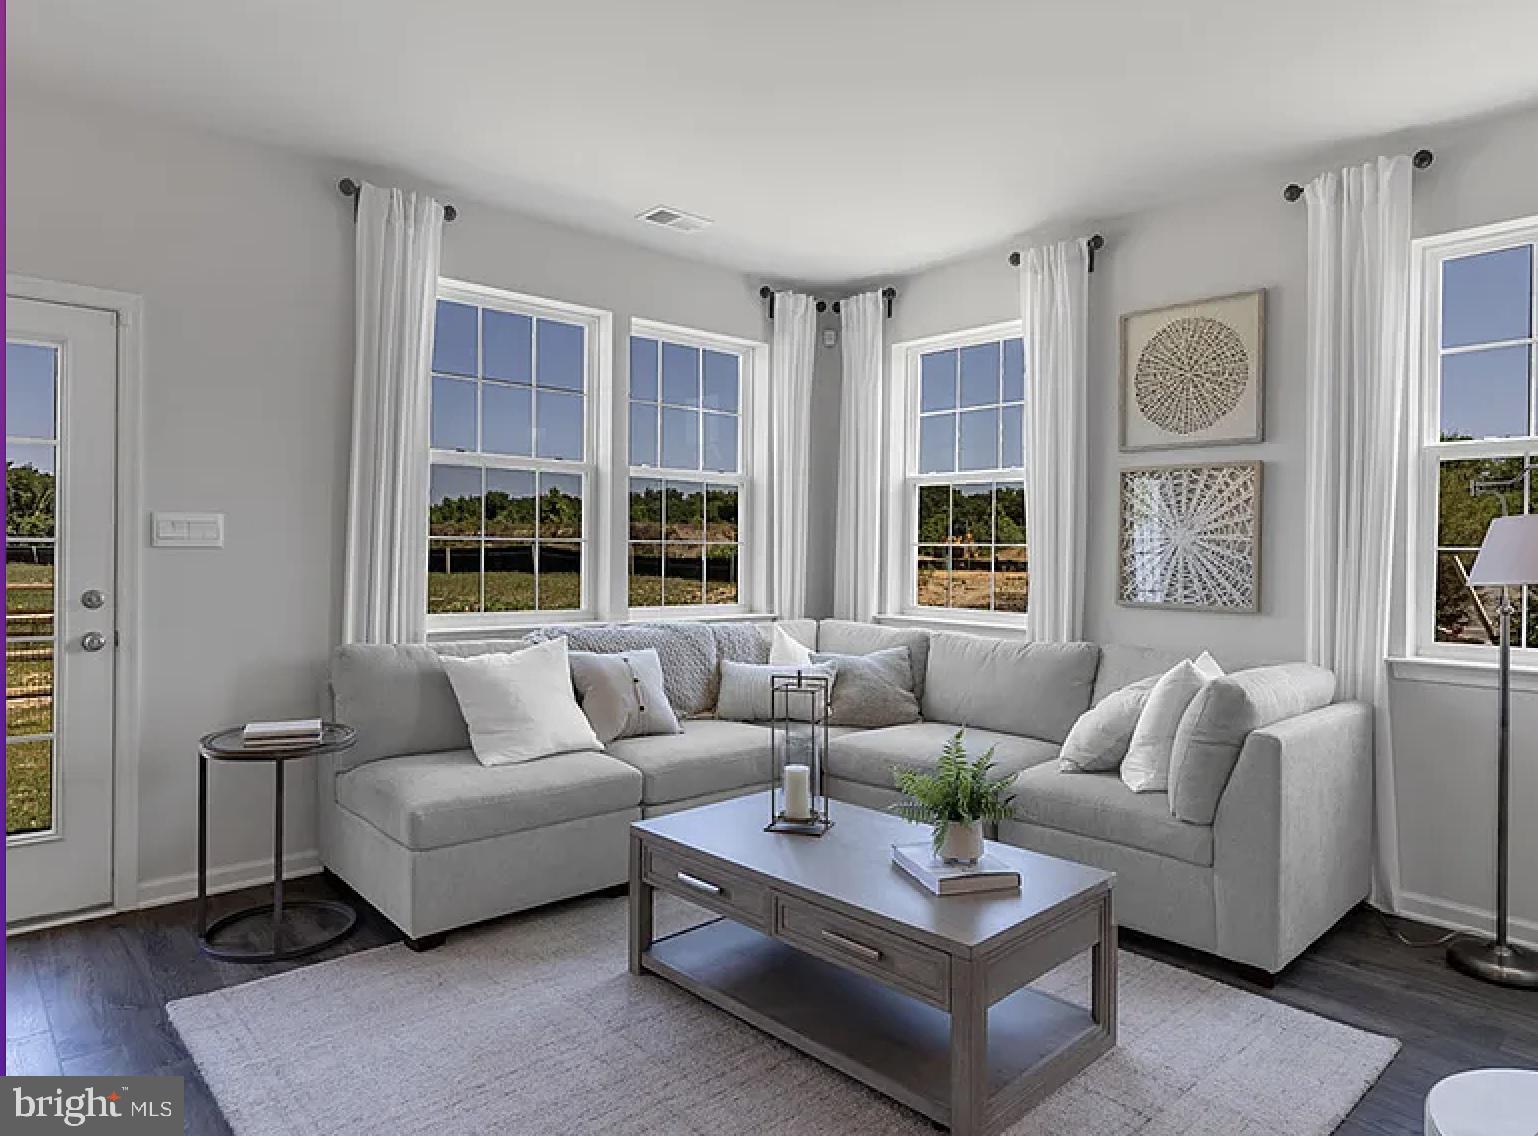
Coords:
747,691
1121,665
844,637
868,756
433,800
872,690
1146,768
623,695
1099,806
710,756
1035,690
1222,715
399,700
741,642
687,650
1099,739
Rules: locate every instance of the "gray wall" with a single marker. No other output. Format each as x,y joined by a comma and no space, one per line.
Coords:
243,255
1245,236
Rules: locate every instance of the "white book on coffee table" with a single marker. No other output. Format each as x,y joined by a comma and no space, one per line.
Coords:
988,874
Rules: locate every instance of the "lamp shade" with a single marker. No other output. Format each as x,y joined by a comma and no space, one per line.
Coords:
1509,555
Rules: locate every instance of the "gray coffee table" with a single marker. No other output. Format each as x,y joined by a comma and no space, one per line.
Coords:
830,948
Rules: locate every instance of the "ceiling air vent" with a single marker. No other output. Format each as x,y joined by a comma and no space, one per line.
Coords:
670,218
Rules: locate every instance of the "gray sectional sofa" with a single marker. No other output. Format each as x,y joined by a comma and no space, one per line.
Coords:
1277,855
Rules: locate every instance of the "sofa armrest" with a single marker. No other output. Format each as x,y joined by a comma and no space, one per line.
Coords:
1293,834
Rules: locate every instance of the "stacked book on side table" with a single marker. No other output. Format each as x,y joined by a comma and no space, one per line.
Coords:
282,735
988,874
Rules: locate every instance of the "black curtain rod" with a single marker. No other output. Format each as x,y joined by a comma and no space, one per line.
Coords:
353,190
1096,243
1422,159
887,294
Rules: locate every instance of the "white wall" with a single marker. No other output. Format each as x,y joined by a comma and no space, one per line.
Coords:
1245,236
243,255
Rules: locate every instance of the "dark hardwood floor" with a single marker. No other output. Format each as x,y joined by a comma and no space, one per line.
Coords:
91,999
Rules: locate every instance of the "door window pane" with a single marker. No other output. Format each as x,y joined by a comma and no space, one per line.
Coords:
1485,394
30,372
937,380
561,354
28,688
680,374
453,418
509,352
721,381
560,426
455,501
31,491
510,503
643,368
980,375
1487,298
456,341
29,587
508,420
28,787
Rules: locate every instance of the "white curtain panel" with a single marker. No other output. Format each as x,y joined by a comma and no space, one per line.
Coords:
857,553
1359,429
1054,302
792,360
399,239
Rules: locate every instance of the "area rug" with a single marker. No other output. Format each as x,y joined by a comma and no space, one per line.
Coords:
533,1025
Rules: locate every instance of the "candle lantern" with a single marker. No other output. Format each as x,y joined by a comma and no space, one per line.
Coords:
798,742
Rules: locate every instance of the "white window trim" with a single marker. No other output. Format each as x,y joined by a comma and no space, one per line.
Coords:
899,583
751,480
597,520
1457,662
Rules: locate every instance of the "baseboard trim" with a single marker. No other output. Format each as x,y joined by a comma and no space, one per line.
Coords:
1461,917
227,877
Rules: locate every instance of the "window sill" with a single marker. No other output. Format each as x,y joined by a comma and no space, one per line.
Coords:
1007,627
1461,672
516,629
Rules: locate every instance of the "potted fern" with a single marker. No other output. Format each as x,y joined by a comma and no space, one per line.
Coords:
955,800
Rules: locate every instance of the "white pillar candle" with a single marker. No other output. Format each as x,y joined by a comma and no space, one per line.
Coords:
798,792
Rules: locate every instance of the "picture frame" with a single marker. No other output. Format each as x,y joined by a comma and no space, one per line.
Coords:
1177,551
1193,374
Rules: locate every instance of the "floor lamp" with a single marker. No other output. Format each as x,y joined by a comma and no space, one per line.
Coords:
1507,559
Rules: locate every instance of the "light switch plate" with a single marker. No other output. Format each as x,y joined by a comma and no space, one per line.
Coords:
187,530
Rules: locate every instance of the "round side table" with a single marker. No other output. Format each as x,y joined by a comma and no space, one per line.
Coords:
1484,1102
272,931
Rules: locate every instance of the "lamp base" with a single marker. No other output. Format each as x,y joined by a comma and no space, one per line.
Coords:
1504,965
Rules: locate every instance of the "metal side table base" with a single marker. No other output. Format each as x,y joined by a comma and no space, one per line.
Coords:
276,931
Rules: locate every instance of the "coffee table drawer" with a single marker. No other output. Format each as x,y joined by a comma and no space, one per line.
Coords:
921,971
706,883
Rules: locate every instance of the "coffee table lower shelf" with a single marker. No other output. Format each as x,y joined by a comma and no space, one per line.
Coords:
872,1032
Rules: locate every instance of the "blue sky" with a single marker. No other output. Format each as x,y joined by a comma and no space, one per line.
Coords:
1487,299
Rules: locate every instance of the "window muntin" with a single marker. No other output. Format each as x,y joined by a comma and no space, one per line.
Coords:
966,544
1481,359
687,472
510,463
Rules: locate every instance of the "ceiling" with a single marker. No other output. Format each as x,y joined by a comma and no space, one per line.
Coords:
829,140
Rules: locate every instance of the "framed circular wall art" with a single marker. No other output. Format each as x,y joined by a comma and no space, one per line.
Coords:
1194,374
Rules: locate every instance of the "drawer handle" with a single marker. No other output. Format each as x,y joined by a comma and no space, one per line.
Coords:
698,884
854,948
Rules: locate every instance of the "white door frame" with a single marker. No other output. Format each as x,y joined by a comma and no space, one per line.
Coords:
129,310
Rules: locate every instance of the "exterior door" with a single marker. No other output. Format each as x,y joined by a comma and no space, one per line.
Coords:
60,488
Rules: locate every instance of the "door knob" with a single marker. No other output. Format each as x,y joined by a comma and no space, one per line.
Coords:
93,598
93,640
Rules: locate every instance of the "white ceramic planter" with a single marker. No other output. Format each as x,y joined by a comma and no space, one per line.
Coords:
963,843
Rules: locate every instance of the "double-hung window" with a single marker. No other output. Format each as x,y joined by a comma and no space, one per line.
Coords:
512,466
956,519
692,448
1479,362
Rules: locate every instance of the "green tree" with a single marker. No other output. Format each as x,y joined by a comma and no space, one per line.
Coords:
29,501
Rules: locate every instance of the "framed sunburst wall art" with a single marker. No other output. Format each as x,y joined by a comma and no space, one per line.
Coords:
1190,537
1194,374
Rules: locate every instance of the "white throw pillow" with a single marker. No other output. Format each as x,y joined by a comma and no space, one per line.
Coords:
1099,739
520,705
1146,768
788,650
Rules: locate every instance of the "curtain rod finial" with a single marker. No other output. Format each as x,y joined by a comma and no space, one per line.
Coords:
349,187
1423,158
1014,259
1293,192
